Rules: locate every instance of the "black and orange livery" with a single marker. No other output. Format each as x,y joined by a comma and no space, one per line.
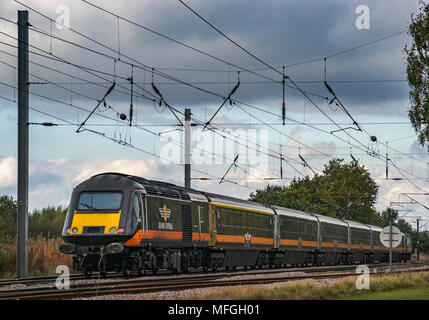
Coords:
123,223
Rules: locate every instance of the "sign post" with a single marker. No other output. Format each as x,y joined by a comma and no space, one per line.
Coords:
390,237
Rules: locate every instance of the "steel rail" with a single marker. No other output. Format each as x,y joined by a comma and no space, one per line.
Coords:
171,284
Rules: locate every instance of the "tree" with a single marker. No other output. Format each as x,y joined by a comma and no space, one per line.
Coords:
8,212
47,221
343,190
418,73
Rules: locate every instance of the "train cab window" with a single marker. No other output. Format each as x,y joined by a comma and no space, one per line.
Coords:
135,211
99,201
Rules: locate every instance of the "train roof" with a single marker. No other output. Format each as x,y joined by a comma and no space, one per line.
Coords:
358,225
294,213
108,181
375,228
233,202
330,220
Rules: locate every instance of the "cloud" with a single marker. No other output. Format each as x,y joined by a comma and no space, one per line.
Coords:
280,33
52,181
8,171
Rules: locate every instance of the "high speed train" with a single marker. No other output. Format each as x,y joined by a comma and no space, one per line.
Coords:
124,223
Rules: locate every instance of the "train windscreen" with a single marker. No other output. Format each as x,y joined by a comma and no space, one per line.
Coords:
99,201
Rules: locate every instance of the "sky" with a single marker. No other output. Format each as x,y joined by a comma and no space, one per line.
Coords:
195,67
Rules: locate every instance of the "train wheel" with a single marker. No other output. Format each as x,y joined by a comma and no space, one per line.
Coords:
214,269
103,274
154,270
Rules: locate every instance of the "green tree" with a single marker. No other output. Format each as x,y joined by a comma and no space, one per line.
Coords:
405,227
8,212
342,190
418,73
47,221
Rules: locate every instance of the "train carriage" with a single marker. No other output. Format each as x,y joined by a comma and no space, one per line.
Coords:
380,251
360,242
242,231
298,236
333,240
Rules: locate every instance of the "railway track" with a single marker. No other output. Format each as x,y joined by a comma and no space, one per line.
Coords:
77,277
140,285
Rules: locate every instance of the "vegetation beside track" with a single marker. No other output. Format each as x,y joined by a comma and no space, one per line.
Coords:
381,287
43,256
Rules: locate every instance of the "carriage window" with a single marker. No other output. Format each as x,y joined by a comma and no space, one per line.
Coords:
99,201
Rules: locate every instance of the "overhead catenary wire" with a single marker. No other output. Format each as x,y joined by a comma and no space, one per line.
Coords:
89,97
78,66
294,83
140,127
263,62
124,143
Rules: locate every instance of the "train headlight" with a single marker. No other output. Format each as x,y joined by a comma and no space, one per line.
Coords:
112,230
75,230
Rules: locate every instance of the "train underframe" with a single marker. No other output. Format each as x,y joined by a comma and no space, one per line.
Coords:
91,259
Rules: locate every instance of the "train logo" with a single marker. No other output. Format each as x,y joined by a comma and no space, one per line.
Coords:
247,237
165,214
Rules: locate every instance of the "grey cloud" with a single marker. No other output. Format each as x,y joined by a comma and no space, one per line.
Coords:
278,32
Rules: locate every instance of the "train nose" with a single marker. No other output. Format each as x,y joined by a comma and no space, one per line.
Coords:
100,223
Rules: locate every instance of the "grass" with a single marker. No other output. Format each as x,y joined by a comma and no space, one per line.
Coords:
402,294
395,286
43,256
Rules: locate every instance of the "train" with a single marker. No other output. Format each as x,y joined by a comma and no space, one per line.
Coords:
124,223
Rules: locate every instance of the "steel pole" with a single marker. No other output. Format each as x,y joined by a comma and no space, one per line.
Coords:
187,148
22,219
390,242
417,242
